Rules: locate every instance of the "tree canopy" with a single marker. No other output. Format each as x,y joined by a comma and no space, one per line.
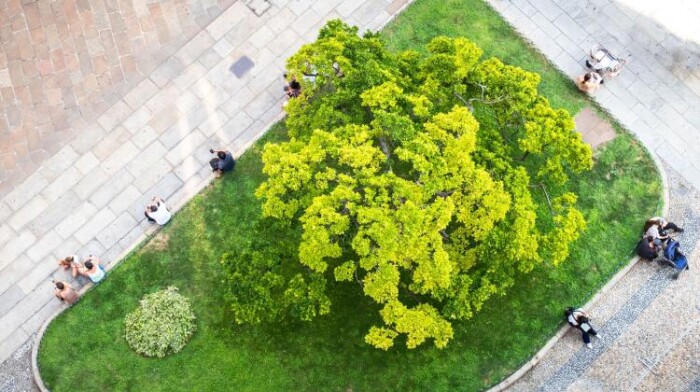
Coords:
414,176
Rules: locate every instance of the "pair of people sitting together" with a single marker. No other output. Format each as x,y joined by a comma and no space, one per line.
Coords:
91,268
655,233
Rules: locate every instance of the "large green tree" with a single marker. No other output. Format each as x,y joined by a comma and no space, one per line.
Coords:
414,176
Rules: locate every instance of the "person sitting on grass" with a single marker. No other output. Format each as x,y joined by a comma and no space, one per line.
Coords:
223,162
157,211
91,269
65,292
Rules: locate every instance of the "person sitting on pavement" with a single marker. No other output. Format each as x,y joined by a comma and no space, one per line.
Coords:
157,211
223,162
658,227
649,247
65,292
580,320
91,269
68,261
589,82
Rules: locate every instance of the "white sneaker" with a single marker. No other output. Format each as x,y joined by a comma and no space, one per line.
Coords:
599,336
589,345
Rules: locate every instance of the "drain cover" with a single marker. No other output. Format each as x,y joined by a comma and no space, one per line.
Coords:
242,66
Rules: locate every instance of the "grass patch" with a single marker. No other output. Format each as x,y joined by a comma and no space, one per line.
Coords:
85,348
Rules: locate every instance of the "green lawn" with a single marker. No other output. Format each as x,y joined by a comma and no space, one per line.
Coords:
85,348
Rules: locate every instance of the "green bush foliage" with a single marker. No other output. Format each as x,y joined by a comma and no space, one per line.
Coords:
162,324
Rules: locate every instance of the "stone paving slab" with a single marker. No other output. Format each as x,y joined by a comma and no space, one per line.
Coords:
151,137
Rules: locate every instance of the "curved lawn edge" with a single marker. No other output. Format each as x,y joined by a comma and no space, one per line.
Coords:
510,380
503,385
176,206
150,232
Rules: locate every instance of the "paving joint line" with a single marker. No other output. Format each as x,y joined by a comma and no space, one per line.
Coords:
651,365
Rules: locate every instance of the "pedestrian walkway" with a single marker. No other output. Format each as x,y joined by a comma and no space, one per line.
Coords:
221,89
63,63
650,323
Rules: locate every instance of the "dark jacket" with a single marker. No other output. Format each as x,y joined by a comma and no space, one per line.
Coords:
644,250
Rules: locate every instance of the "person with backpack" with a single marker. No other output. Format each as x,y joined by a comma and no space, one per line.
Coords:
580,320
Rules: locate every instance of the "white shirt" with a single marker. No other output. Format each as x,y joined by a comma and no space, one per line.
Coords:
161,215
653,231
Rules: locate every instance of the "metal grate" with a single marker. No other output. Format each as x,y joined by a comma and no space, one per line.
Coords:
242,66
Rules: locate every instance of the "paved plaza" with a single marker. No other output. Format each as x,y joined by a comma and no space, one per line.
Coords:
64,63
106,103
151,137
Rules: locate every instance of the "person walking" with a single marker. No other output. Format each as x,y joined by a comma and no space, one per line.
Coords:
580,320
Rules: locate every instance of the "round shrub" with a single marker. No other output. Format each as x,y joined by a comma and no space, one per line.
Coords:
161,325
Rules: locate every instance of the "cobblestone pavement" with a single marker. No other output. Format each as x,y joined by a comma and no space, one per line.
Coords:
153,136
64,63
650,325
650,322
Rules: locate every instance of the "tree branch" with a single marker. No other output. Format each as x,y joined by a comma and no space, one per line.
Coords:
546,195
444,194
357,278
469,102
385,147
444,235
